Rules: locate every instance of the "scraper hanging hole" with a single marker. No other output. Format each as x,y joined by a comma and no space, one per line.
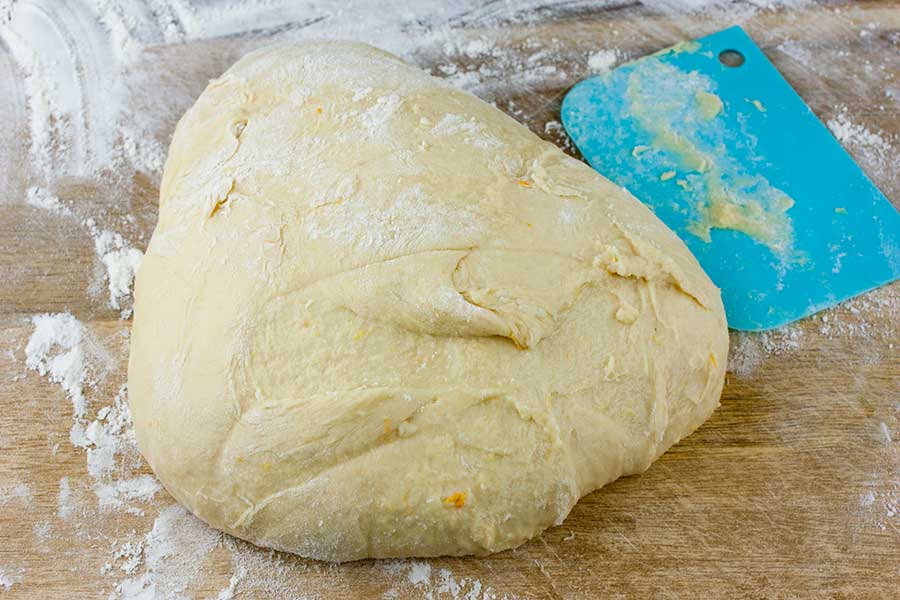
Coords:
731,58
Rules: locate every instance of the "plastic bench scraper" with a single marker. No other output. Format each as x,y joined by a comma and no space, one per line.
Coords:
712,138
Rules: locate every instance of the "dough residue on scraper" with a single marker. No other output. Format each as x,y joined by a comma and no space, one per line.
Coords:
680,113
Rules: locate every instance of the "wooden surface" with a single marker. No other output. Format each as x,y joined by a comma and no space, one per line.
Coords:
791,489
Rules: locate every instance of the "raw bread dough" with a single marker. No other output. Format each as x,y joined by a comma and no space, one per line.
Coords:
378,317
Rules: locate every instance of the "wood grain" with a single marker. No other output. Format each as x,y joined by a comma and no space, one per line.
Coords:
790,490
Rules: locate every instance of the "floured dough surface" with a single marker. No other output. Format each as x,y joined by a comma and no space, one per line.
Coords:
380,318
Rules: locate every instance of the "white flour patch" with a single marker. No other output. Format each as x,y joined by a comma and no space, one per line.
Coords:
56,351
113,456
45,200
750,349
9,576
451,124
871,316
130,555
477,48
236,578
173,554
414,215
602,61
61,349
105,436
19,494
49,111
422,580
120,492
375,120
143,151
874,150
65,503
558,134
120,260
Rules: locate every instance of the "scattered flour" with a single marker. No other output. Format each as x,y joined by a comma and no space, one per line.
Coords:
874,150
46,200
501,70
557,132
19,494
48,114
170,558
9,577
43,533
858,316
798,52
602,61
478,48
118,493
120,260
421,579
749,349
879,506
871,316
228,592
55,350
65,504
173,554
265,573
143,151
112,456
130,554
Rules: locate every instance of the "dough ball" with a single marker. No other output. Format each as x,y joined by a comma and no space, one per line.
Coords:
380,318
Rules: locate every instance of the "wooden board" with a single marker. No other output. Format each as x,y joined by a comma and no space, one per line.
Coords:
791,489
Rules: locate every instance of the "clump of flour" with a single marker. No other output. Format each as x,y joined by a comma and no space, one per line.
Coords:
121,262
56,350
65,503
557,133
44,199
424,581
602,61
19,493
173,553
61,349
112,455
873,149
749,349
10,576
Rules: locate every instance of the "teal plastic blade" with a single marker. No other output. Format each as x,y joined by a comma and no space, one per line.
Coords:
732,159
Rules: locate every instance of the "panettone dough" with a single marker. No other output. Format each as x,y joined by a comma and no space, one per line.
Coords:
378,317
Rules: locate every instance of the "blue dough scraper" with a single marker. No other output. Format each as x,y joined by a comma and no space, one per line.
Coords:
718,144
